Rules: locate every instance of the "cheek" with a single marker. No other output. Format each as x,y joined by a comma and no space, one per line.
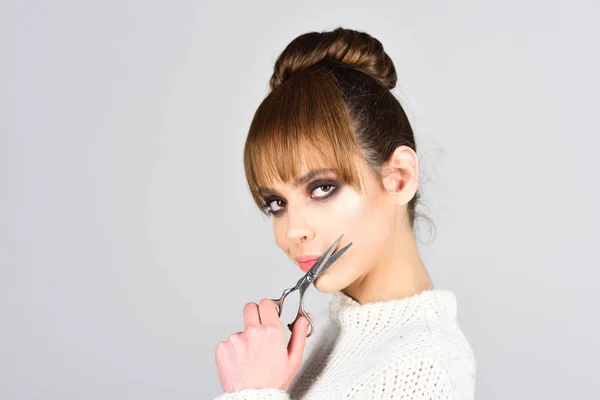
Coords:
279,235
364,222
360,218
350,215
341,215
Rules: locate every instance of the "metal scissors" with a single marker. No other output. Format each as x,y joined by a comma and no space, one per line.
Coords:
320,266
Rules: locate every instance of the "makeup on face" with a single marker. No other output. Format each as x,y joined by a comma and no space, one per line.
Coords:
322,188
332,201
318,186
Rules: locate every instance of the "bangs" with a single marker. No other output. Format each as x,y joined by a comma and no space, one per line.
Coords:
302,125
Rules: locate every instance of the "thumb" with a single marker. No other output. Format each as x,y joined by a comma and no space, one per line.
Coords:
297,342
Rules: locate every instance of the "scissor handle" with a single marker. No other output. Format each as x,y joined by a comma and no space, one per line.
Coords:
310,321
279,302
302,313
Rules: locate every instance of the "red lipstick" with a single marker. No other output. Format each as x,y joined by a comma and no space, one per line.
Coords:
307,261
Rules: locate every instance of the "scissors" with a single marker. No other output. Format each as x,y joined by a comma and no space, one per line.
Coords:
303,283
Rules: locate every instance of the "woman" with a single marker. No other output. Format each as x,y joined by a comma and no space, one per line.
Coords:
330,151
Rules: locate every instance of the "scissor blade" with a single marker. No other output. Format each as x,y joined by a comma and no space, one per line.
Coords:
307,278
332,259
324,257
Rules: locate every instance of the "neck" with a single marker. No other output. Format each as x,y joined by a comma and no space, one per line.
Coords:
398,273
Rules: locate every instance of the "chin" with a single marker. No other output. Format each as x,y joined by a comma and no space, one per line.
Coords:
327,284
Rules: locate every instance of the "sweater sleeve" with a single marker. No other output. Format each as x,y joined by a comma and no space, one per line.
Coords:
255,394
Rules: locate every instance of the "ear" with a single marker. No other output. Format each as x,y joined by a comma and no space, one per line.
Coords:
400,175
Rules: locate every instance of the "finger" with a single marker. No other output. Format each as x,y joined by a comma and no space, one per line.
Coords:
236,344
251,315
268,312
290,327
297,342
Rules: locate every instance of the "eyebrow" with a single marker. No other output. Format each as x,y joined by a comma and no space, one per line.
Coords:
299,181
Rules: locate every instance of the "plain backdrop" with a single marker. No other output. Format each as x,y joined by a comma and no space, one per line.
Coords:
129,242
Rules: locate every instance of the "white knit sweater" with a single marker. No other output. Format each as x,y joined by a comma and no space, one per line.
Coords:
412,348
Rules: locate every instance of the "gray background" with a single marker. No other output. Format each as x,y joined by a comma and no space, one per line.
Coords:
129,242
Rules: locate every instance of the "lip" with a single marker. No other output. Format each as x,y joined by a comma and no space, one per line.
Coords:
306,257
307,265
306,261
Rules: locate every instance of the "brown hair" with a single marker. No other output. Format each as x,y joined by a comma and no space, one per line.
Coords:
330,105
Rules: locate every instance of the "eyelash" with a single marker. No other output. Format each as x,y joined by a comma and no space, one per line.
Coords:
316,185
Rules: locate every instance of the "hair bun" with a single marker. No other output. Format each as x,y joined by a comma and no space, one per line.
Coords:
347,47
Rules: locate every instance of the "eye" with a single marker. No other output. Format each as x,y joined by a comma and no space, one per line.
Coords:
273,206
322,189
326,189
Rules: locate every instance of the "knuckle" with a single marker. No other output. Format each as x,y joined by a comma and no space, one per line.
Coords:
220,350
270,330
252,331
234,337
265,302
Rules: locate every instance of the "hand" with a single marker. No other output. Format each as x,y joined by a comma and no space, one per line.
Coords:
258,357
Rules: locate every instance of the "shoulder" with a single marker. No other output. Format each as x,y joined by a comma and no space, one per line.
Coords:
433,333
430,376
434,338
431,358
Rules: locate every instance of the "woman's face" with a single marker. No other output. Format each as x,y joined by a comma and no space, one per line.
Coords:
310,216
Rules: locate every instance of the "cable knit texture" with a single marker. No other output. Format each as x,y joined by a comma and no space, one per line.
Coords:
412,348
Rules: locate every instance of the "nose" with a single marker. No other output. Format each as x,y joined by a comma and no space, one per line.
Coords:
299,229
